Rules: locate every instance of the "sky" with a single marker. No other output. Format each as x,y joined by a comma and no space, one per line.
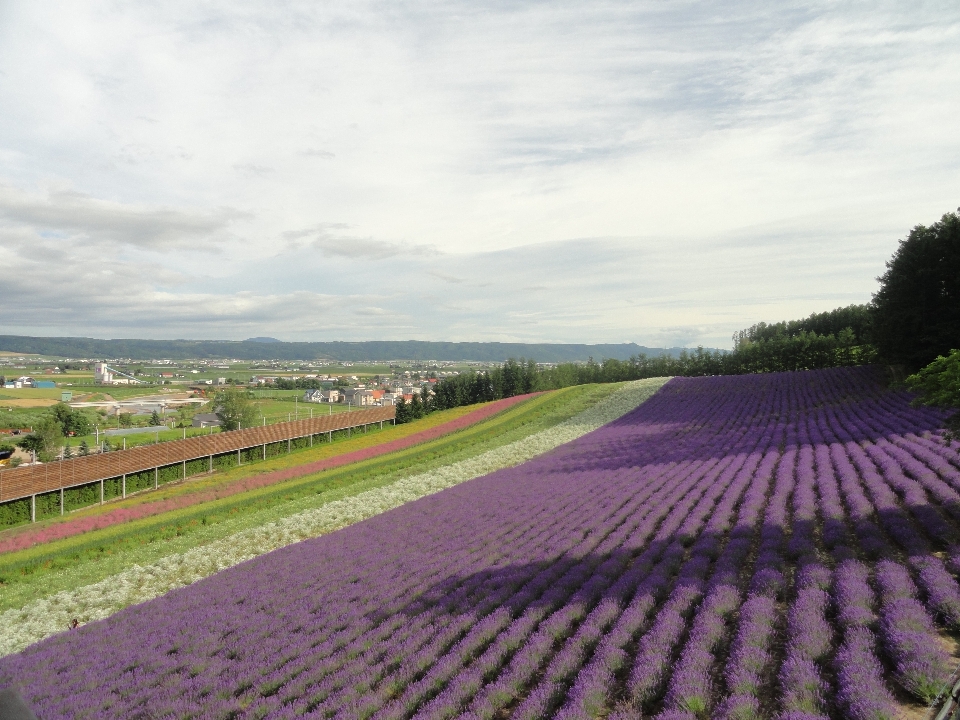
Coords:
662,173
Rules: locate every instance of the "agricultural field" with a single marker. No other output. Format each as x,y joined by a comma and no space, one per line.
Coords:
283,462
93,575
781,545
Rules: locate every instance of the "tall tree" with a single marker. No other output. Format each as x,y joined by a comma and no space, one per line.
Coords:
235,410
70,420
917,309
403,414
417,409
45,439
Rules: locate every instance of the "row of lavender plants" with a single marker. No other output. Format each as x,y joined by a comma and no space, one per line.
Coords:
738,547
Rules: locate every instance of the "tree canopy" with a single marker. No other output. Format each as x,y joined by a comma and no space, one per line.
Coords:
855,319
938,384
70,420
45,439
235,410
916,315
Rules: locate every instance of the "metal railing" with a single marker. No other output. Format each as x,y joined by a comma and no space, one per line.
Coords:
32,480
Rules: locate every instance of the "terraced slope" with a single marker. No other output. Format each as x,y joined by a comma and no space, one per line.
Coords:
83,578
757,546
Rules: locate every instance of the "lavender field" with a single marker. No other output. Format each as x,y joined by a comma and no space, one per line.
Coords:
780,546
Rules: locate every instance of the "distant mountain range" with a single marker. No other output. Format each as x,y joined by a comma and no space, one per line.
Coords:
262,348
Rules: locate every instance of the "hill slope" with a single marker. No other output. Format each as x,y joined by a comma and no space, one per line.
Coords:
380,350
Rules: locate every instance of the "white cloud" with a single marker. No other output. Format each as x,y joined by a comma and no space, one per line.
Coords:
543,171
71,213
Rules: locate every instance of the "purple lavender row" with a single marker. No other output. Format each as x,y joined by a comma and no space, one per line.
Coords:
650,669
750,652
915,499
678,523
445,666
835,533
893,518
940,588
456,695
328,700
908,634
343,670
768,570
750,658
801,544
861,691
649,673
942,461
809,641
862,514
691,686
860,686
610,653
448,701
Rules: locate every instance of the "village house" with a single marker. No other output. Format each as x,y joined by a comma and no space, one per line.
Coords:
322,396
202,420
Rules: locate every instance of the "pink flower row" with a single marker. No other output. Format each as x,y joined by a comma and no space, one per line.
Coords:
28,537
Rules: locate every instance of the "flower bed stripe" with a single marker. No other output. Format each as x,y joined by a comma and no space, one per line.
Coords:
33,536
47,616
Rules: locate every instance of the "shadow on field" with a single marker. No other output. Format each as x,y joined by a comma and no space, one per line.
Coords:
689,420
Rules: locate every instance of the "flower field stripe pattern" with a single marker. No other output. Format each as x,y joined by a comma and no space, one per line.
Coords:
48,615
30,536
758,546
98,555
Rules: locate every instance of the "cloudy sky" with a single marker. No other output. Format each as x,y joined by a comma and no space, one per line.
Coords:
656,172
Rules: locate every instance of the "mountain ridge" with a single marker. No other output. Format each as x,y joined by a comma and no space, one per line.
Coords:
349,351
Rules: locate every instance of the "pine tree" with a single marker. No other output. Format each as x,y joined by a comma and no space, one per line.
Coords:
84,448
403,411
416,407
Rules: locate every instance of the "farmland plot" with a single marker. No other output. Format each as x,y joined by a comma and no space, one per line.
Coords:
754,546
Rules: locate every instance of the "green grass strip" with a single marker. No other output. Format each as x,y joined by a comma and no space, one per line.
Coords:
81,560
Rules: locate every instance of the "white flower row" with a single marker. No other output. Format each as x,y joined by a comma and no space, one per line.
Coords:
49,615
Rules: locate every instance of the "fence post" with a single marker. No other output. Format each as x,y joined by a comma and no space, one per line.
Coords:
101,491
288,444
211,463
184,469
311,437
264,451
238,458
61,501
124,486
156,478
33,508
330,436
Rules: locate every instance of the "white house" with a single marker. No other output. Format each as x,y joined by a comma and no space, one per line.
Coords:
322,396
